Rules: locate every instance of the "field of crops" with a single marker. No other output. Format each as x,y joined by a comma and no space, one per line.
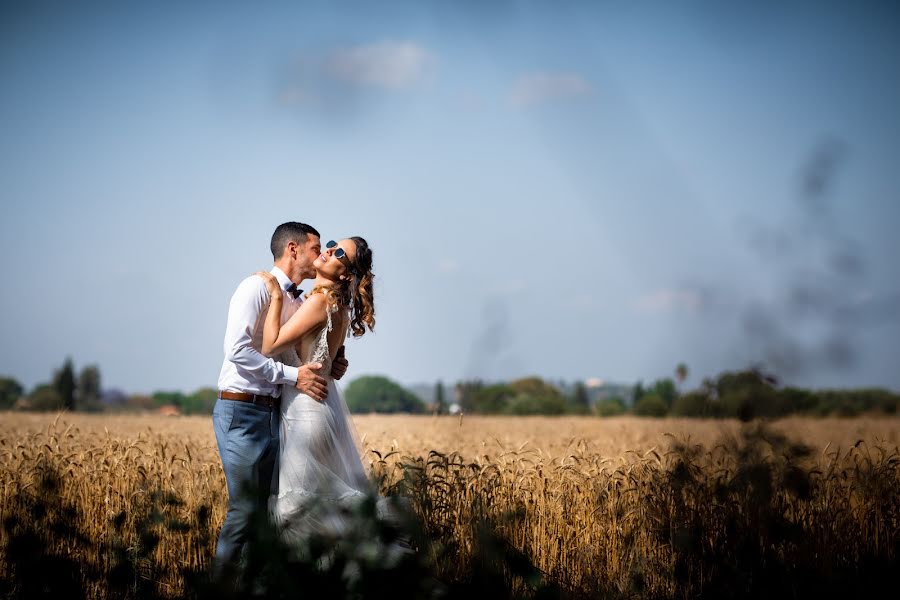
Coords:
620,506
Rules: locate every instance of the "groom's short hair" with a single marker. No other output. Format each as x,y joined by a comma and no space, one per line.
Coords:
291,231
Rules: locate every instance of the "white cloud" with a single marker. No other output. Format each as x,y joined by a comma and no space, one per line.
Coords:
668,300
539,87
388,65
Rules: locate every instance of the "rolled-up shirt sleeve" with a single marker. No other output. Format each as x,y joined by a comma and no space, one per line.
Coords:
247,304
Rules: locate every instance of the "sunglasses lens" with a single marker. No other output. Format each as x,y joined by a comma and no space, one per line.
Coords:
331,244
339,253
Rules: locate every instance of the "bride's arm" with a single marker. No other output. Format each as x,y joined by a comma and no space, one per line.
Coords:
277,337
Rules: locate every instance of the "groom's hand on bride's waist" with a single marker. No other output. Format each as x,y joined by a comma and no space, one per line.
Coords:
310,382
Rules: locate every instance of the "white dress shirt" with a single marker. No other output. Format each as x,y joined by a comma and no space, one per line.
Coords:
245,368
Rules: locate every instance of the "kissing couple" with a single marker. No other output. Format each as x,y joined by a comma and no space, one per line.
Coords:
279,416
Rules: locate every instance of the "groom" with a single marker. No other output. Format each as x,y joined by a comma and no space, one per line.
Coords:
246,415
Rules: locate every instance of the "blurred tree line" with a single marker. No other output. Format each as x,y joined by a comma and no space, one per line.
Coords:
527,396
374,393
70,389
752,393
745,395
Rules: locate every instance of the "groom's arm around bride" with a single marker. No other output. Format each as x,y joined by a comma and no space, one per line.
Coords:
256,372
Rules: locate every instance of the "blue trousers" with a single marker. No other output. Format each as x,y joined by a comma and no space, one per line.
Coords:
247,437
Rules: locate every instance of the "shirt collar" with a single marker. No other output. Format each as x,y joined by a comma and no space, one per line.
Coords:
282,278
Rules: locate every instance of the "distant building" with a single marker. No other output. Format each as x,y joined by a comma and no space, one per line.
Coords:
599,389
168,410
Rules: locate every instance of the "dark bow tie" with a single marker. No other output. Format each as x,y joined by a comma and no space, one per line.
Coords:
294,291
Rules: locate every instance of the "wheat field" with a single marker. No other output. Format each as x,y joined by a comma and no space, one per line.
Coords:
598,505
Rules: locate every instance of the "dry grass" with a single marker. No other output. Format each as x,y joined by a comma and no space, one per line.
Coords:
611,438
581,496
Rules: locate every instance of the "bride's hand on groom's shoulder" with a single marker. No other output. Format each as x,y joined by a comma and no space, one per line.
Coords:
310,382
272,284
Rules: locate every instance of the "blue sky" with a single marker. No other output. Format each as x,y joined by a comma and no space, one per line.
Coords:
572,190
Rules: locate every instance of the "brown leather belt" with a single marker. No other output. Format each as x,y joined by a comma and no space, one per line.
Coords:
267,401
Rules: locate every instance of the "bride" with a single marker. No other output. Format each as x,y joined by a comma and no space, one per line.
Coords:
319,466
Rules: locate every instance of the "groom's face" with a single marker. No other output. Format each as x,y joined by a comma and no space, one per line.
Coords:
303,257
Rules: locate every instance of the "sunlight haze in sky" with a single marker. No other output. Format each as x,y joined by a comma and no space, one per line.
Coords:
571,190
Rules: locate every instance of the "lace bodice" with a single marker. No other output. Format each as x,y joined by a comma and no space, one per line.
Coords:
313,346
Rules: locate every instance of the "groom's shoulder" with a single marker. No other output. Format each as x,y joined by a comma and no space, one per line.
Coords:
253,284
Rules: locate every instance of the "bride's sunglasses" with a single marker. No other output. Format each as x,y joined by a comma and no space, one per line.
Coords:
341,256
339,253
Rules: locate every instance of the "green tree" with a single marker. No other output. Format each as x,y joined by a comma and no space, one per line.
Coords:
693,404
201,402
465,394
89,388
681,373
440,403
10,391
492,399
375,393
526,404
610,407
164,398
45,397
65,384
637,392
748,394
581,402
535,386
651,405
89,383
665,389
796,400
849,403
882,400
534,396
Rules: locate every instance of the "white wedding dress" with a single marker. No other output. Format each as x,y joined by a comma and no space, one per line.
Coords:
320,475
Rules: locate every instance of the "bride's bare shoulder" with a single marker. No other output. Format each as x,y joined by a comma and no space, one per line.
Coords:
316,302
